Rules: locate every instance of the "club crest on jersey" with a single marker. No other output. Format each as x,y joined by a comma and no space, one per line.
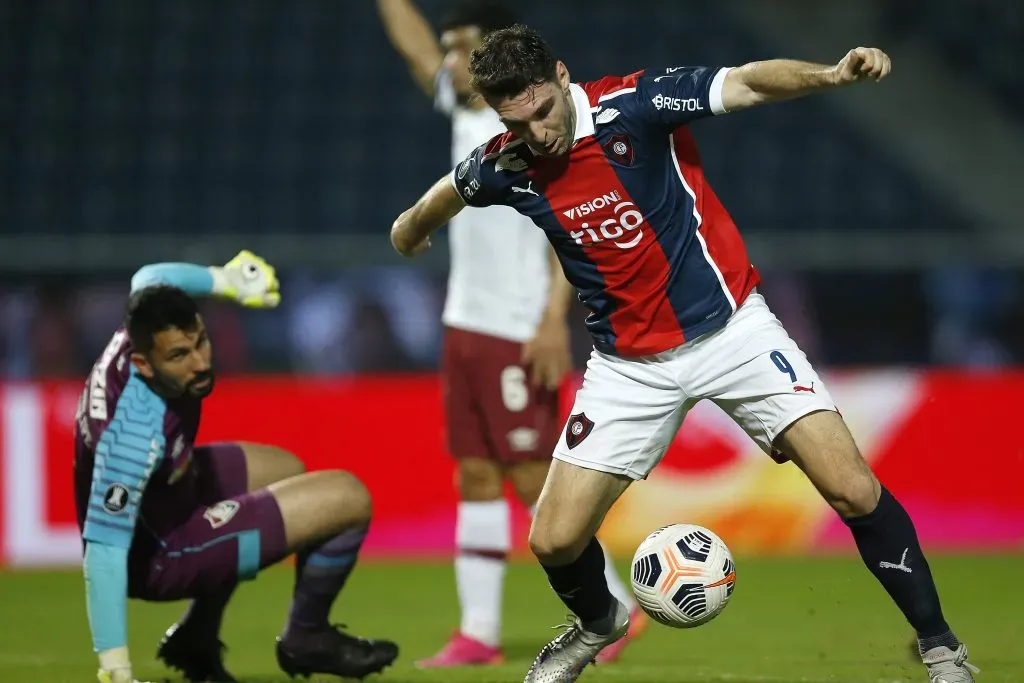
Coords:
221,513
620,148
578,428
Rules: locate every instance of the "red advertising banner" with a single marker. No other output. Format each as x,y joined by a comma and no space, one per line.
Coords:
946,444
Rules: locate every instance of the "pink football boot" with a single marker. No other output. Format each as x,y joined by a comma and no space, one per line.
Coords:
638,621
463,651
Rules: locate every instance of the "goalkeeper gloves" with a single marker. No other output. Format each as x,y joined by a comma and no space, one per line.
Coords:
248,280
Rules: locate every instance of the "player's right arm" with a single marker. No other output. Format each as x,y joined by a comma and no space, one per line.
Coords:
246,279
127,452
411,231
473,182
414,39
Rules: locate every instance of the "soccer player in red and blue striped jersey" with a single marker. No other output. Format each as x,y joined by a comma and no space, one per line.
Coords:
610,173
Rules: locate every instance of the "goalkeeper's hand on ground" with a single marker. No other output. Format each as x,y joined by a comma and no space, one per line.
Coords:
116,676
115,667
248,280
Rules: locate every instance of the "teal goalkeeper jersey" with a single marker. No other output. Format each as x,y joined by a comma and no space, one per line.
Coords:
133,475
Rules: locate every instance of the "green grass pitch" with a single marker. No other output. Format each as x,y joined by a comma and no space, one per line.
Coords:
790,621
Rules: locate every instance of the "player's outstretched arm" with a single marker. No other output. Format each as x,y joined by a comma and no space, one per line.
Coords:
128,451
246,279
410,233
412,36
776,80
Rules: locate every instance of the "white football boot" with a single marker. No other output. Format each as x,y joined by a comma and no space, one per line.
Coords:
949,666
564,658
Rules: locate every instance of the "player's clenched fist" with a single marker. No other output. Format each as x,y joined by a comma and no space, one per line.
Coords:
407,249
862,63
249,280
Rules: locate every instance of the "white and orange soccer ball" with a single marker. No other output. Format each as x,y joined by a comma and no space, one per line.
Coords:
683,575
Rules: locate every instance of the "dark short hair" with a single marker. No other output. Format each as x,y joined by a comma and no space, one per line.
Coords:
152,310
486,15
509,61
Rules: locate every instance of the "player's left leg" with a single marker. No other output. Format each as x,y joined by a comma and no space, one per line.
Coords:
323,564
821,445
527,477
224,471
322,568
322,516
766,384
264,464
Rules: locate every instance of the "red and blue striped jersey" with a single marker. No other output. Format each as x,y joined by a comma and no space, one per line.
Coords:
639,233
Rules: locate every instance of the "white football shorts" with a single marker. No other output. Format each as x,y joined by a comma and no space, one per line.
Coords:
629,409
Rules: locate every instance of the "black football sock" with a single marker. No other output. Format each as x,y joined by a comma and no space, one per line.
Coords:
320,574
889,547
206,612
582,587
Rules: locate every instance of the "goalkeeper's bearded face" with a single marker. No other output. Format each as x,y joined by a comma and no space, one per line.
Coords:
180,362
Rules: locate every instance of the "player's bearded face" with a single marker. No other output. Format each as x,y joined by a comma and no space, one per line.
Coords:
543,115
180,363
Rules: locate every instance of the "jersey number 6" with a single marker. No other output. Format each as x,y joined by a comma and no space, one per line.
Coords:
514,393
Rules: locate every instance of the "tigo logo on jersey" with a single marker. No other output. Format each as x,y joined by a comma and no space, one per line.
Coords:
676,103
221,513
625,220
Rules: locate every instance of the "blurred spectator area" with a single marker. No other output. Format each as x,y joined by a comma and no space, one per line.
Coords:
983,39
186,129
385,319
296,117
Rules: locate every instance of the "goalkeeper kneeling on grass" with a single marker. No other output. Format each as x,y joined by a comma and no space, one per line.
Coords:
165,519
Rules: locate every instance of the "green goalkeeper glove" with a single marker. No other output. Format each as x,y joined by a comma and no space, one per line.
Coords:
248,280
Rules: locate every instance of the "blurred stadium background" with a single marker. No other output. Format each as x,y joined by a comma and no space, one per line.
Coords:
886,222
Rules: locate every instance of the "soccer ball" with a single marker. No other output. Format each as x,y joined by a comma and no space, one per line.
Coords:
683,575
